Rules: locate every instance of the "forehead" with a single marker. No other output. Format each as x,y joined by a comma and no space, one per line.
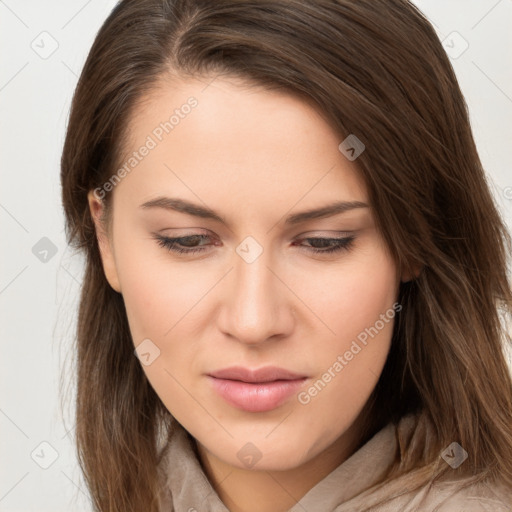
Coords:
224,139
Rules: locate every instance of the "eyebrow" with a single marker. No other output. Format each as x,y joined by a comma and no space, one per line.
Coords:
184,206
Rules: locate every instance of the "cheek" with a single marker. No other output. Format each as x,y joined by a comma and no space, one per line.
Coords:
163,305
358,308
348,297
158,293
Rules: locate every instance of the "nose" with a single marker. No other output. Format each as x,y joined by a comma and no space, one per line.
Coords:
257,305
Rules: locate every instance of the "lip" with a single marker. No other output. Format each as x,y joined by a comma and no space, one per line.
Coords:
257,390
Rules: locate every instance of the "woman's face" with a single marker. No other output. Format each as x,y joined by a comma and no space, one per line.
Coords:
269,286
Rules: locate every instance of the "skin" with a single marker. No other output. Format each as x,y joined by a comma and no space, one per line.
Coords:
253,156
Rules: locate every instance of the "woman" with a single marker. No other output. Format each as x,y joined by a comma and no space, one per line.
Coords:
295,269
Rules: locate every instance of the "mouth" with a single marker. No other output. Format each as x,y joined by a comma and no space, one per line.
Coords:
258,390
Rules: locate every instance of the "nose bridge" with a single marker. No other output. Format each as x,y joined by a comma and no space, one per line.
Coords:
255,307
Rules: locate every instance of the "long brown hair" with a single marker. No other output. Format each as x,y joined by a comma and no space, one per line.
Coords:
373,69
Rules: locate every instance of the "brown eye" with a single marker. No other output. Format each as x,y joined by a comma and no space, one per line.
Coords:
329,245
183,244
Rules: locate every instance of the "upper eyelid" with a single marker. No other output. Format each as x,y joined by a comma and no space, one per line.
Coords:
340,236
175,239
321,233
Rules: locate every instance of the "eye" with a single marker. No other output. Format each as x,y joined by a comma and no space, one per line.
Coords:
183,244
329,245
190,244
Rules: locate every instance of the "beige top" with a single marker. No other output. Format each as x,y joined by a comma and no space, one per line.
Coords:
349,488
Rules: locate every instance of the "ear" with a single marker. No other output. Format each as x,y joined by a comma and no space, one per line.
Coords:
105,245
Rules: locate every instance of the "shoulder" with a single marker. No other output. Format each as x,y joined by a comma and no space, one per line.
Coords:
450,497
479,497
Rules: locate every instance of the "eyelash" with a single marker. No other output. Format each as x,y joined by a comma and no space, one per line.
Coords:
171,244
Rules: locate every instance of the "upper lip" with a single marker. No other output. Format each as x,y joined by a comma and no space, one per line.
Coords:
266,374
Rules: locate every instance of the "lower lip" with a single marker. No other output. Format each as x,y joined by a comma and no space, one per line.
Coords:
257,397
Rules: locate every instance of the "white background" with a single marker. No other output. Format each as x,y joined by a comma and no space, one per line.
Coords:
37,299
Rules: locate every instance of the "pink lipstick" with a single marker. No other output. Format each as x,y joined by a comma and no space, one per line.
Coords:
258,390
